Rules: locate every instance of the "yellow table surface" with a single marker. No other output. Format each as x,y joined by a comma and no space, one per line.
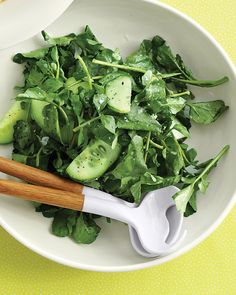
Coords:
208,269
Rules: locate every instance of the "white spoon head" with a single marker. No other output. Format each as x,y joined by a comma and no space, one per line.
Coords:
158,223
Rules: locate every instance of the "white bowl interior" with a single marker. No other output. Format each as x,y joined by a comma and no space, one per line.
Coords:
20,20
124,24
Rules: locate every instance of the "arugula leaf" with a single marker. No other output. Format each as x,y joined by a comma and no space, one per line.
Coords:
206,112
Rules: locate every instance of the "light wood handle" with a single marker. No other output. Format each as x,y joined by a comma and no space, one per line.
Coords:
42,194
37,176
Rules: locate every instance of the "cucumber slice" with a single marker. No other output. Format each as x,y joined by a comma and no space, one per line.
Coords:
50,124
15,114
94,160
119,93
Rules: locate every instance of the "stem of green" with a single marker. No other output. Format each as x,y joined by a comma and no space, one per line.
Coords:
180,94
158,146
85,124
58,70
123,67
72,141
166,76
147,146
37,156
90,80
203,83
212,163
97,77
62,112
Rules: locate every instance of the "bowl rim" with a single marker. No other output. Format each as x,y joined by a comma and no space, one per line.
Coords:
180,251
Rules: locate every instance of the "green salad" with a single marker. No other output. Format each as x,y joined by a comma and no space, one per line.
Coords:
117,125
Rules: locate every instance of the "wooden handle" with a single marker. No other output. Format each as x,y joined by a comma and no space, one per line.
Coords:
42,194
37,176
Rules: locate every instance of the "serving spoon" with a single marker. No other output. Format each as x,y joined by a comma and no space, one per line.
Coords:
151,232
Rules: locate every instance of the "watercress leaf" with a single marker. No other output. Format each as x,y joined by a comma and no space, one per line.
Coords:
76,105
174,156
44,67
33,93
136,192
175,125
207,112
52,85
160,182
59,225
85,231
138,119
54,54
191,155
60,41
24,135
109,123
36,54
182,198
51,122
166,59
47,210
88,42
35,77
189,211
133,163
187,72
176,104
100,101
203,184
141,58
109,55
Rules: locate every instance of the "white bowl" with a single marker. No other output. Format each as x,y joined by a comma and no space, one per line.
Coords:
124,24
20,20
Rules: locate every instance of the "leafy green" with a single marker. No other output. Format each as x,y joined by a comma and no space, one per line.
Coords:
206,112
86,230
203,83
109,123
183,196
138,119
71,76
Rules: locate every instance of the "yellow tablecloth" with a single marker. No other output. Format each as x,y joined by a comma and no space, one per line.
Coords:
209,269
